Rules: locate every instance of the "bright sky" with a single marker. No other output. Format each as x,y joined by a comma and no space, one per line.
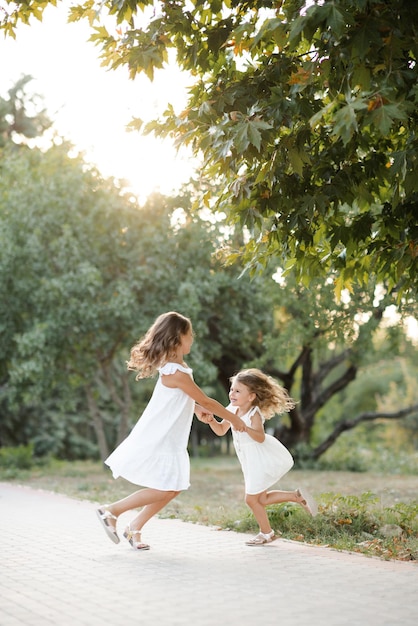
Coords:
91,105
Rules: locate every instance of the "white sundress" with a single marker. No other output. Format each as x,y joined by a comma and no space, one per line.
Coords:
264,463
155,452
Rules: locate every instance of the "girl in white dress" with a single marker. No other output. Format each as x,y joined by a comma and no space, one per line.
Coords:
154,455
255,397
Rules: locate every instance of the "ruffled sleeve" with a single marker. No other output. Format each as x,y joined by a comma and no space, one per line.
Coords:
171,368
256,409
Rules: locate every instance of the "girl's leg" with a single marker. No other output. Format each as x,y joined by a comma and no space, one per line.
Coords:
300,497
152,501
140,498
277,497
255,502
149,510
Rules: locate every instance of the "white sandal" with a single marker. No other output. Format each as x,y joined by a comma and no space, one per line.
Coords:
105,516
261,539
307,502
137,545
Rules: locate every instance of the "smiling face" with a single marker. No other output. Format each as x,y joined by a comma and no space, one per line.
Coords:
241,397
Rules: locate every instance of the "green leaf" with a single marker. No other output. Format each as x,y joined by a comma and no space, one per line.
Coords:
384,116
296,161
254,135
240,137
345,120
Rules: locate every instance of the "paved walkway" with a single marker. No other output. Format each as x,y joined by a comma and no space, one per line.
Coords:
58,567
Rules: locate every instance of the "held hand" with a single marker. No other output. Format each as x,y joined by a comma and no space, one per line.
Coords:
239,425
200,411
204,417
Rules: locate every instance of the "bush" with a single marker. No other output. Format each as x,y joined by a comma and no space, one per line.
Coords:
17,458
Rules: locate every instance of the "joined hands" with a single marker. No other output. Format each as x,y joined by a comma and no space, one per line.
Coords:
206,417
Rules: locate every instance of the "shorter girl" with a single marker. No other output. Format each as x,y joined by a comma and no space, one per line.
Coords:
154,455
255,397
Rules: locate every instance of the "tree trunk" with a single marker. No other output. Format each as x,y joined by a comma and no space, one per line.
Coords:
122,399
97,423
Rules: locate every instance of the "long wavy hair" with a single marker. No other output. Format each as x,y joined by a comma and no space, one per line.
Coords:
159,344
271,398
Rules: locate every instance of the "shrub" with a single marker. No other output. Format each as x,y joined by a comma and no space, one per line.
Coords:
20,457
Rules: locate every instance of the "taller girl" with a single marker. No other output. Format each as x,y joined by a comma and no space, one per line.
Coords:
154,455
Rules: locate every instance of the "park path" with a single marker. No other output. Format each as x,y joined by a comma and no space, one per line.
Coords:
58,567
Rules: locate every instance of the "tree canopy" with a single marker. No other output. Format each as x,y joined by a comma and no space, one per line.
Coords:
84,270
305,112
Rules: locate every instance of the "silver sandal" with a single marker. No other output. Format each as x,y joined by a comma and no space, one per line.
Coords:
137,545
261,539
105,516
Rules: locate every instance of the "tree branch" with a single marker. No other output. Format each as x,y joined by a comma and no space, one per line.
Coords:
345,425
325,368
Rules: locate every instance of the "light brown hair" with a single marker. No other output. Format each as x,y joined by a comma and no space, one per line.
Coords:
271,398
159,344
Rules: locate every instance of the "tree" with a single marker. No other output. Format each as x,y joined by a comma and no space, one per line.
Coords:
16,122
59,289
317,347
84,270
305,111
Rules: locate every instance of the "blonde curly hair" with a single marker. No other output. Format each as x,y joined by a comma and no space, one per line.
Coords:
159,344
271,398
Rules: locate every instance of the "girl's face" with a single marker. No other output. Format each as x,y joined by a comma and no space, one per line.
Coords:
187,342
240,396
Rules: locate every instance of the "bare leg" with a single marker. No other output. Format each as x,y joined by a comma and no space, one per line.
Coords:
152,501
300,497
277,497
150,510
258,508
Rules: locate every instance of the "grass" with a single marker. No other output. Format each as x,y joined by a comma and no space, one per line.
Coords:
376,515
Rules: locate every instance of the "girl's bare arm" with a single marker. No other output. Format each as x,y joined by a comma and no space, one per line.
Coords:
183,381
256,430
220,428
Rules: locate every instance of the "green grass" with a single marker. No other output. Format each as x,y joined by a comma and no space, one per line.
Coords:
353,508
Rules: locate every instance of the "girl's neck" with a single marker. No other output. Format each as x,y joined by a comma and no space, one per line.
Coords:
244,410
176,358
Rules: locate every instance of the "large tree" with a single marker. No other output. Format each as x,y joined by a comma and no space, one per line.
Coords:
84,270
305,111
318,346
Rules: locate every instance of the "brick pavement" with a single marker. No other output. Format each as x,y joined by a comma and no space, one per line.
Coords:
58,567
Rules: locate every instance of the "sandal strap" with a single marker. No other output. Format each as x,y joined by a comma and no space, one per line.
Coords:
106,514
260,538
131,532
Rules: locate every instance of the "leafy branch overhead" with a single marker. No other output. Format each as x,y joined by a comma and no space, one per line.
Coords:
305,112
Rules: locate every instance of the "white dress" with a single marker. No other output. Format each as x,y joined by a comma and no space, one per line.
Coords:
264,463
155,452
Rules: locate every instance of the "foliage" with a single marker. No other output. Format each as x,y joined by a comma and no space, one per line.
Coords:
19,458
16,122
70,315
305,112
84,271
324,351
